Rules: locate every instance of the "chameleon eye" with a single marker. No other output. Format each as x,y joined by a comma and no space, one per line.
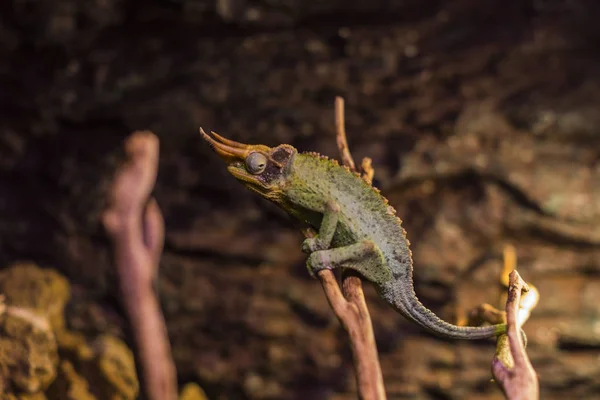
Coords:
256,163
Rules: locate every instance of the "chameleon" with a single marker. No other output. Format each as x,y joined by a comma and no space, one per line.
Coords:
357,228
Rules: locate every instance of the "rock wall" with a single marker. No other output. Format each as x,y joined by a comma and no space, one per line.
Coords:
480,117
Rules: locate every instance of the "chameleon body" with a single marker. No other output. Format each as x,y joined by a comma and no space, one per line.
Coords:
356,227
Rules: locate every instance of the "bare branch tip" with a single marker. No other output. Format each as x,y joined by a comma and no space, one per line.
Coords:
142,140
136,261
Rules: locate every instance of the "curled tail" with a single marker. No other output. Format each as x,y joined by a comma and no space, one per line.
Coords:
444,329
406,302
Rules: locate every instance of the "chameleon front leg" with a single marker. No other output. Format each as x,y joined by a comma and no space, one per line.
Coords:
363,257
329,223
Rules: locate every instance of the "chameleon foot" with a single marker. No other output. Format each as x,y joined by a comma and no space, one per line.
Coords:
311,245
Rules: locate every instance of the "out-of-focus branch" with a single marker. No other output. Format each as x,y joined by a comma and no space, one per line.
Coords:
349,304
136,227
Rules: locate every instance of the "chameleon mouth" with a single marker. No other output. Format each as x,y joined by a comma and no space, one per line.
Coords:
240,174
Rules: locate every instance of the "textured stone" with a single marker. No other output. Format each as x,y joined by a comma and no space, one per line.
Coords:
480,117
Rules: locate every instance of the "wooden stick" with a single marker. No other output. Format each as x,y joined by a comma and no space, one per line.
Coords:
511,367
136,227
340,128
349,304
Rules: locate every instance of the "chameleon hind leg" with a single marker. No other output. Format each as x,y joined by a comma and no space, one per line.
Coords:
363,257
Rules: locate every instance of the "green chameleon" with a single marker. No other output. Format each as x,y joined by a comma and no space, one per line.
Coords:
357,229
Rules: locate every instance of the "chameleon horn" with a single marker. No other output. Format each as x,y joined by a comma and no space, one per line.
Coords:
224,150
227,141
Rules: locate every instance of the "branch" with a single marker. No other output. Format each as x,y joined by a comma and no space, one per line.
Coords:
136,227
350,306
511,367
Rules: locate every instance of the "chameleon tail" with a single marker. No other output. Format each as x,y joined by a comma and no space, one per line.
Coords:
410,306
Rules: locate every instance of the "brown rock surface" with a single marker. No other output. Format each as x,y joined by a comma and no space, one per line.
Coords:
28,352
41,358
480,117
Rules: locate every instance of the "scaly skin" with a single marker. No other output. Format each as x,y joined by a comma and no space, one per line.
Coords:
357,228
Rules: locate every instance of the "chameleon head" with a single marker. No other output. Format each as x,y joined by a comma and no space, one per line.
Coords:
260,168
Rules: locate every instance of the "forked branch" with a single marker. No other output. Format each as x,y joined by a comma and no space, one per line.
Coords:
349,304
511,367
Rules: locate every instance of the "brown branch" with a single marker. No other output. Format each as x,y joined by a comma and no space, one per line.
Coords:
511,367
517,380
136,227
350,306
340,128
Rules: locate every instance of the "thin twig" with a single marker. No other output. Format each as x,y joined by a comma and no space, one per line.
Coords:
136,227
350,306
340,128
511,367
485,313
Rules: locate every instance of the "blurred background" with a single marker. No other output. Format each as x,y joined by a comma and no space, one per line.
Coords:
481,117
